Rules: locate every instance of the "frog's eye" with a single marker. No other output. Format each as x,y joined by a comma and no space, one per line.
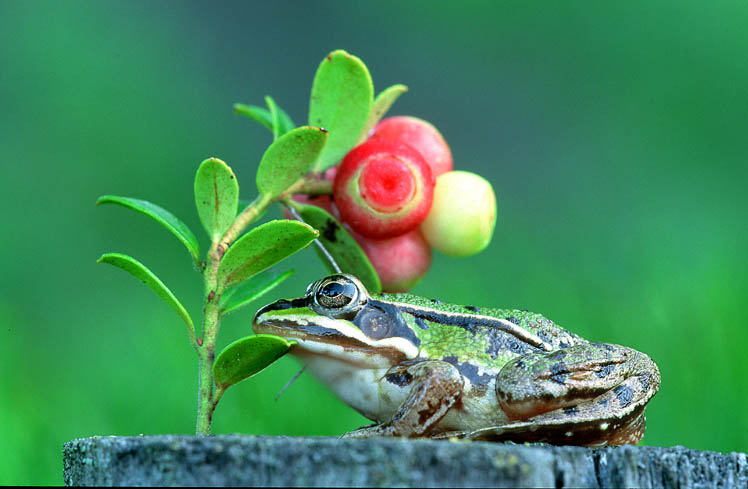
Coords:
337,296
334,295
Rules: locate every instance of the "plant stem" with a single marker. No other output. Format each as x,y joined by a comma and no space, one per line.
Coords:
208,394
311,187
206,355
243,220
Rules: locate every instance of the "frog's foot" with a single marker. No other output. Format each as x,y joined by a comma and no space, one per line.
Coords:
364,432
435,388
587,394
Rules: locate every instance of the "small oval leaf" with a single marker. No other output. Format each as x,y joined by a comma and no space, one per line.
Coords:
282,123
216,196
382,104
257,113
142,273
288,158
274,116
160,215
246,357
341,100
263,247
266,118
251,290
285,122
342,247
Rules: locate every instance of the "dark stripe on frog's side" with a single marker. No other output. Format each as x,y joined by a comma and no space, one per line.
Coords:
472,323
499,342
381,319
421,323
469,371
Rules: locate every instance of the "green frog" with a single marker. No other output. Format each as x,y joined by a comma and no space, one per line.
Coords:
422,368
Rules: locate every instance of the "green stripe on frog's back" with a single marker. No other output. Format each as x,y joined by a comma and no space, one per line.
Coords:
494,336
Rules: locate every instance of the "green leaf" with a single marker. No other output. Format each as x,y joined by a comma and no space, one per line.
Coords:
251,290
382,104
285,121
263,247
342,247
267,118
247,356
274,116
257,113
282,123
216,196
288,158
160,215
341,100
141,272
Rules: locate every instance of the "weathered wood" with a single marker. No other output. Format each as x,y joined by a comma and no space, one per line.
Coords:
284,461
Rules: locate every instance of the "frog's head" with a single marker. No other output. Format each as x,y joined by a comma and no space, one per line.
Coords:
337,318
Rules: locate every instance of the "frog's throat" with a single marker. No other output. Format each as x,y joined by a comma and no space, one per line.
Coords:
444,317
340,339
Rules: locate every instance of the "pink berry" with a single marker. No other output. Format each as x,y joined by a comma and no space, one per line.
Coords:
383,189
422,136
401,262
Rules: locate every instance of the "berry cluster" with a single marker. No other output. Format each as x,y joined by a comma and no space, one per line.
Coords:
397,195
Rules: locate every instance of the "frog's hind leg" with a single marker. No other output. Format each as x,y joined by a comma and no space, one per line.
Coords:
589,423
587,394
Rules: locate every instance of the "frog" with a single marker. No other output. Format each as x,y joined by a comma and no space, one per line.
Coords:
421,367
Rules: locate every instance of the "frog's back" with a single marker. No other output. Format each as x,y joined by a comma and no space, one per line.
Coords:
478,336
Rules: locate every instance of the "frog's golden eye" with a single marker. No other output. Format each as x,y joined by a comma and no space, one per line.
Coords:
334,295
338,295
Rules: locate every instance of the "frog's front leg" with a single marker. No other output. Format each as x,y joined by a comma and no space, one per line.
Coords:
435,386
587,394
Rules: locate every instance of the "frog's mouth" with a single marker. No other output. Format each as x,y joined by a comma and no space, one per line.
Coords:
330,337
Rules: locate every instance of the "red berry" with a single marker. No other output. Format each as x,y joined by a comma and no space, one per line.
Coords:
383,189
386,184
422,136
401,262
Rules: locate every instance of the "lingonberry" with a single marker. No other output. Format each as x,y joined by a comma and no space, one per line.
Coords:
401,262
463,215
422,136
383,189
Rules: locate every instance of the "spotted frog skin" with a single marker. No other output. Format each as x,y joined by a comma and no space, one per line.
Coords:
423,368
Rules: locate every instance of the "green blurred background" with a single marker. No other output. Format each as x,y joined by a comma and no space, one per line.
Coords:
614,134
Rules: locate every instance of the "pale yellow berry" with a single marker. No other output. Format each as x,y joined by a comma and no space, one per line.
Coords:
463,215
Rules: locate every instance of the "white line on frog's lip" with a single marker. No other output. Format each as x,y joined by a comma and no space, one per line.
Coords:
345,341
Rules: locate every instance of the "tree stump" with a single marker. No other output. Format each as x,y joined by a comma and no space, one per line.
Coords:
241,460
